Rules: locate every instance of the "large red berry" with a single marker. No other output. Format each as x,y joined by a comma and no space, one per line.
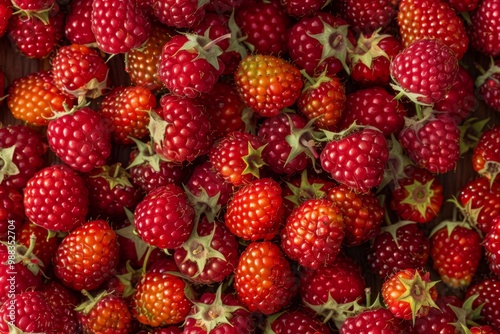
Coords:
11,211
313,233
488,85
29,312
179,13
237,157
323,99
376,107
479,201
399,246
81,138
111,191
218,313
372,320
5,14
362,213
456,253
432,19
488,293
22,152
87,256
321,43
296,321
56,198
33,37
264,25
356,157
78,26
80,71
164,218
63,301
34,98
148,170
256,210
180,129
264,281
209,255
332,290
367,16
432,142
409,294
104,313
460,101
290,146
372,56
486,155
417,196
484,31
128,108
225,109
160,298
267,83
491,244
119,26
425,70
189,65
441,319
141,64
204,179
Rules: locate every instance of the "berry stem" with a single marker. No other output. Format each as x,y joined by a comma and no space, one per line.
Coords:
217,40
146,258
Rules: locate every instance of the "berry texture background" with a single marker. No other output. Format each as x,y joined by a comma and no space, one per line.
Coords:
254,187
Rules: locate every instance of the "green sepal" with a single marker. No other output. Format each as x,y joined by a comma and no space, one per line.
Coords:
145,155
417,285
470,132
313,82
492,69
236,39
130,233
115,175
209,316
303,140
367,48
91,301
129,279
157,127
204,204
393,229
419,203
337,47
470,215
199,250
337,312
331,136
8,167
269,321
413,97
253,160
24,255
42,15
449,225
395,166
305,190
467,315
205,47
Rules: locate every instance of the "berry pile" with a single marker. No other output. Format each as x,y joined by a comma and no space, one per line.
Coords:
250,166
